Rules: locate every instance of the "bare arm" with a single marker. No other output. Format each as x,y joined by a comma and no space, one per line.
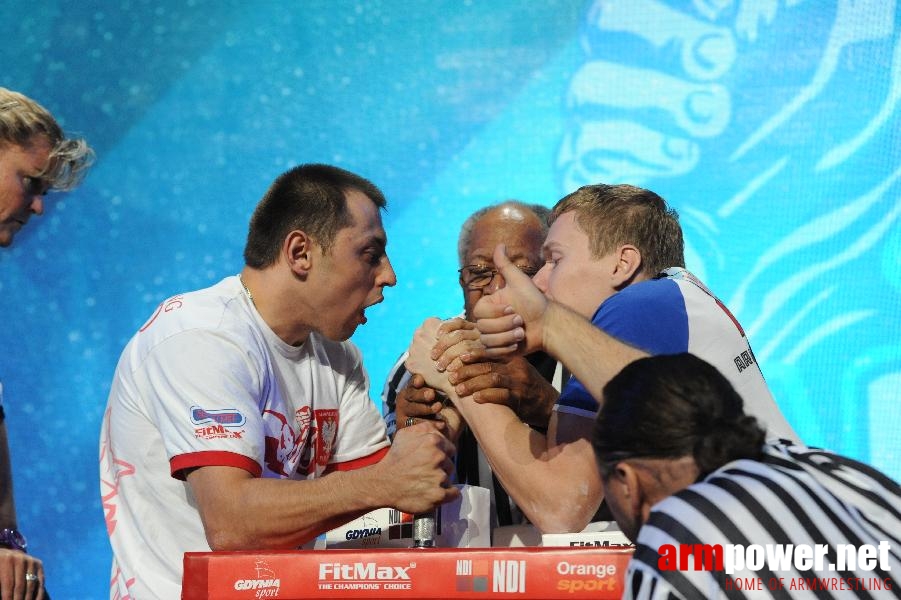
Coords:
552,479
514,383
243,512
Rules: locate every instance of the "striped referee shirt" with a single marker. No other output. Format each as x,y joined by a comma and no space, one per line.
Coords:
793,496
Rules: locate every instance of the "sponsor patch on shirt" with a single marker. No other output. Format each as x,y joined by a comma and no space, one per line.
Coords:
217,423
227,417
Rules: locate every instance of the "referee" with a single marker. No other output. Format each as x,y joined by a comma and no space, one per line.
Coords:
690,479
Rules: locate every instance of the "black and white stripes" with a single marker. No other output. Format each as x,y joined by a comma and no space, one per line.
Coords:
793,496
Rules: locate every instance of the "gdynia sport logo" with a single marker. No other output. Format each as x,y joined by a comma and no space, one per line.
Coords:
778,560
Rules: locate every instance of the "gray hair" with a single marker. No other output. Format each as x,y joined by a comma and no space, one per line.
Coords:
22,120
540,211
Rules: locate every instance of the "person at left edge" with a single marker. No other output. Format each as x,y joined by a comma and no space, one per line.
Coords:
239,416
36,157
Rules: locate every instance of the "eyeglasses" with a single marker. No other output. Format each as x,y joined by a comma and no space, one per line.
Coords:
477,277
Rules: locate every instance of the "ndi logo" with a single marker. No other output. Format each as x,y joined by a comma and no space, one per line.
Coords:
509,576
496,576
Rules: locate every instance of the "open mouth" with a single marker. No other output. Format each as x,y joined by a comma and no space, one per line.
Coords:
374,303
13,225
363,310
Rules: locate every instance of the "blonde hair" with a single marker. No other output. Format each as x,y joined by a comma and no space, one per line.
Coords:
22,120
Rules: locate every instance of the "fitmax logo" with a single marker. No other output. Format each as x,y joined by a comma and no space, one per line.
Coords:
363,572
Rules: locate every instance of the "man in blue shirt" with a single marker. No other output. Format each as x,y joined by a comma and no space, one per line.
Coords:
613,254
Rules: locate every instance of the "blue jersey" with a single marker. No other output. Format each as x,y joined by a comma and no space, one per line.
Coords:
675,313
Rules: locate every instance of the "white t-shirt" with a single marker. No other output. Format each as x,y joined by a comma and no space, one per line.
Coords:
206,382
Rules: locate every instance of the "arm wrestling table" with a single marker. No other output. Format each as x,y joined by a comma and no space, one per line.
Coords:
445,573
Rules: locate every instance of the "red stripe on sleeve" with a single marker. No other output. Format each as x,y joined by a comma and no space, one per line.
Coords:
358,463
212,458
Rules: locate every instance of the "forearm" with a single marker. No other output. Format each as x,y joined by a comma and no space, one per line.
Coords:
245,513
555,485
545,478
590,354
242,512
538,408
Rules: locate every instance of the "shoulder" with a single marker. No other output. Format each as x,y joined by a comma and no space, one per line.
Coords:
844,477
638,298
711,507
211,316
212,307
650,315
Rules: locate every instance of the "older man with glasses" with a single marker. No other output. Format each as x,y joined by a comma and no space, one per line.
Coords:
521,383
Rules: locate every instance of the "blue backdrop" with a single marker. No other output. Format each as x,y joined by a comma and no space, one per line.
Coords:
770,125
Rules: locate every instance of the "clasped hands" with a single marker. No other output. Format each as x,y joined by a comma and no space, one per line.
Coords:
483,361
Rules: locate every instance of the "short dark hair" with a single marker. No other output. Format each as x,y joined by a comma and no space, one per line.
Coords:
310,198
612,215
671,406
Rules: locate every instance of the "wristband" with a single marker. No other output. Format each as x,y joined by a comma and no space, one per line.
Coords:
13,539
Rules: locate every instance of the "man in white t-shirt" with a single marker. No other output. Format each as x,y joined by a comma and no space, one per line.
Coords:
239,417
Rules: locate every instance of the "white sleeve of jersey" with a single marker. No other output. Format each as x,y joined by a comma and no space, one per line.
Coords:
203,391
